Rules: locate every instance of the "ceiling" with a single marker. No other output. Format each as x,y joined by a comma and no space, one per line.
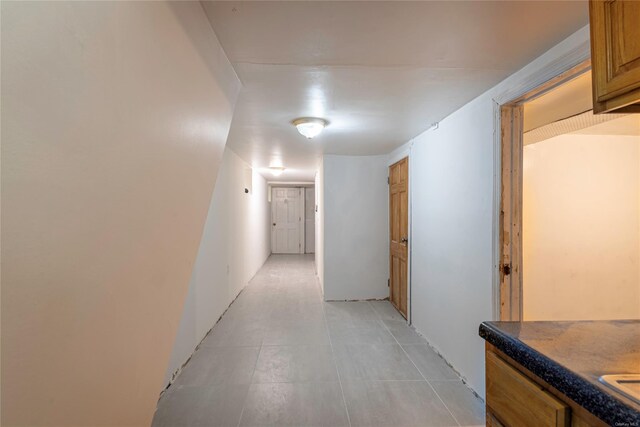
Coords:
380,72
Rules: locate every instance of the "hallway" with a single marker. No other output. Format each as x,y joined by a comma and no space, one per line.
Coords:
282,356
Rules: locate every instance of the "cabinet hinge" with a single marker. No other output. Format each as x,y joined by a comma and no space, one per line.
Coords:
388,283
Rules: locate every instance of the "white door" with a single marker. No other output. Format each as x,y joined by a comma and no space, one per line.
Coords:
309,220
286,216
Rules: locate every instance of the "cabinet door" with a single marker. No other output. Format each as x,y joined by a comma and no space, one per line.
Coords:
516,401
615,54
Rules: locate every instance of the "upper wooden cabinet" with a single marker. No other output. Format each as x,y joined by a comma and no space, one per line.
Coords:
615,55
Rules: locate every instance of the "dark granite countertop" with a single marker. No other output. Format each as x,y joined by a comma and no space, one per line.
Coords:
571,356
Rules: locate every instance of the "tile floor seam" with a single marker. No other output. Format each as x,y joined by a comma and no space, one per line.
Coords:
309,382
422,375
366,380
246,397
335,363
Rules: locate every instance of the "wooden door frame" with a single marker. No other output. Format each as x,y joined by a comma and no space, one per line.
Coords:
510,183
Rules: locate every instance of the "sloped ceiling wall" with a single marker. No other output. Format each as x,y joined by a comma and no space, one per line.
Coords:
114,119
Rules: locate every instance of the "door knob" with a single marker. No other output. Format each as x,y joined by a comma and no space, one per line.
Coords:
404,240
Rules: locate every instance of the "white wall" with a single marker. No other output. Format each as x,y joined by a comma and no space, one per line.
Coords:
309,220
114,120
451,198
453,214
234,245
356,241
581,228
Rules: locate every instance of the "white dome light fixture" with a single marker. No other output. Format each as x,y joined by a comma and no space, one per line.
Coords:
309,127
276,170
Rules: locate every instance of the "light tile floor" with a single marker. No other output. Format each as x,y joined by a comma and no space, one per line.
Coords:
280,356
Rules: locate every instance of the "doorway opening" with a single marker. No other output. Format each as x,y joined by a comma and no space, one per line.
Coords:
569,206
292,220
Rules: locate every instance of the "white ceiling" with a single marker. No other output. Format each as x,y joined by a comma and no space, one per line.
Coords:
381,72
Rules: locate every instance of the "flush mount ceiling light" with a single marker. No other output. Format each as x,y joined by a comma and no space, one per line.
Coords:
309,126
276,170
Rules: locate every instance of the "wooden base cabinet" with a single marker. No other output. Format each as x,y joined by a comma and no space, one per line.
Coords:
517,398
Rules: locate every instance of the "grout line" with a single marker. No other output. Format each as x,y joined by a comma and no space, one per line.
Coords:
422,375
244,404
445,405
246,397
335,364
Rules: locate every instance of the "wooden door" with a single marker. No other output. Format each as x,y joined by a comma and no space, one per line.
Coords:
399,234
287,226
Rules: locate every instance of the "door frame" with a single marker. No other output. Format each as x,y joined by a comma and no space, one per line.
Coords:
301,221
508,182
395,157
